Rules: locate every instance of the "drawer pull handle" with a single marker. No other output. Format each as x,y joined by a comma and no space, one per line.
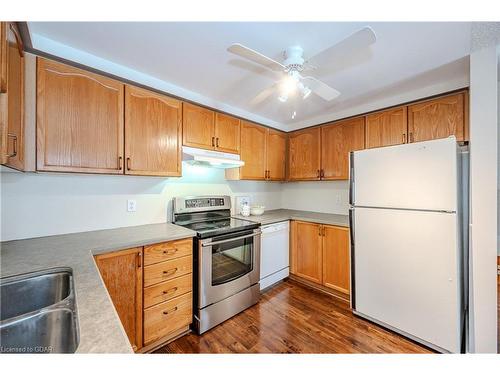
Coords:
172,290
170,272
169,252
166,312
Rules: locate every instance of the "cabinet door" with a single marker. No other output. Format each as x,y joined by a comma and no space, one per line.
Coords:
336,265
227,133
337,140
198,127
79,120
438,118
122,274
15,100
386,128
153,128
276,155
305,154
306,251
253,151
3,57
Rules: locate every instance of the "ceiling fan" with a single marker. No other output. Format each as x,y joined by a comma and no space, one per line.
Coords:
294,63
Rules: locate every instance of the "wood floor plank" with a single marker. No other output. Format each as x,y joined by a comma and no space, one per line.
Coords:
292,318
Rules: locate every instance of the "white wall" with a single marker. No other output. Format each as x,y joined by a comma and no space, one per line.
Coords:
319,196
40,204
483,197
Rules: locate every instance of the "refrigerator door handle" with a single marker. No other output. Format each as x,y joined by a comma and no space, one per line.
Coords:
351,178
351,235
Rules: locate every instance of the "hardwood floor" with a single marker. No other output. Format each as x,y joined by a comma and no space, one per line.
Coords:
291,318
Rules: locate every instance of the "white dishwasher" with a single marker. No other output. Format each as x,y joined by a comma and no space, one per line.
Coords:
274,253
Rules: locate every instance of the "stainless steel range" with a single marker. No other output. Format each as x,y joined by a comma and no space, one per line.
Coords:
226,255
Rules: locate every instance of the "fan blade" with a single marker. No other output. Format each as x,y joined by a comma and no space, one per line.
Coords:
344,50
250,54
320,88
263,95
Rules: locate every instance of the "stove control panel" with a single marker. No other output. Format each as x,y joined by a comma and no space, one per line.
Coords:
201,203
204,202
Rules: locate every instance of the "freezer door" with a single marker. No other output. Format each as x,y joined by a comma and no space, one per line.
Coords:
407,275
418,176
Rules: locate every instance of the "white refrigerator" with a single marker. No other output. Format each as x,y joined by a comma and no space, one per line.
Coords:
406,241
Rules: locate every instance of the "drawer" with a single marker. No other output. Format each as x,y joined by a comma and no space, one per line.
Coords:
161,252
167,317
158,272
167,290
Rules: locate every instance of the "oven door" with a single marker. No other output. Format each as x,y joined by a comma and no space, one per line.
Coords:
228,264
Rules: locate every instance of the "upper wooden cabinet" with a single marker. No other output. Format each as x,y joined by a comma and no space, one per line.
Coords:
336,264
306,251
79,120
198,127
253,151
12,101
3,57
122,273
227,133
337,141
386,128
153,128
276,155
264,152
305,154
439,118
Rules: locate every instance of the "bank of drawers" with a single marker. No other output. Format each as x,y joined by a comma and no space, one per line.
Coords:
168,283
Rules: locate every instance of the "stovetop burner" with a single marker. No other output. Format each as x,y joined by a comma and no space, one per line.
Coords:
213,228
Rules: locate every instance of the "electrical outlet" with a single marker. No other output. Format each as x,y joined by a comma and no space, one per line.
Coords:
338,199
131,205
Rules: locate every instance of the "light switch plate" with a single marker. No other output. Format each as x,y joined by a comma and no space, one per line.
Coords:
131,205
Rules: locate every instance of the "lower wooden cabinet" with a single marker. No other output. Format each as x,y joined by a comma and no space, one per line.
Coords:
151,288
122,274
320,255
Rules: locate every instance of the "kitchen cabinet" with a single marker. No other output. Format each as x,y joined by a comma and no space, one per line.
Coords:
3,57
264,152
336,258
153,128
198,127
12,101
305,154
387,128
337,141
276,155
227,133
122,272
439,118
79,120
320,256
306,252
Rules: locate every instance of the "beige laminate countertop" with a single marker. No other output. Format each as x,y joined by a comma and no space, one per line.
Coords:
99,324
275,216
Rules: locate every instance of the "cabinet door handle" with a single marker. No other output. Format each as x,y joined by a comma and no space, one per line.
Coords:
321,173
217,142
213,141
14,145
128,164
319,230
404,138
318,175
120,163
139,260
166,312
411,137
324,231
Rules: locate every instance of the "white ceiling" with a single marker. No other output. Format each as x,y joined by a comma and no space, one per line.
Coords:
192,58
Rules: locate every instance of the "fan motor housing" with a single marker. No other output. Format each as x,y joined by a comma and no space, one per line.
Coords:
293,58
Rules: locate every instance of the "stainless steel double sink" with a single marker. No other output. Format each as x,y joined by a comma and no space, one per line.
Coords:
38,313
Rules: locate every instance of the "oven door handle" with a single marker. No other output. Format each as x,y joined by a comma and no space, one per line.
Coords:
229,240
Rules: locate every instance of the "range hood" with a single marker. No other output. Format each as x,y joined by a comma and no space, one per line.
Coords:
208,158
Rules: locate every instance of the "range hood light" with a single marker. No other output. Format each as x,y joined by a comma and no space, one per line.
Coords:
215,159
